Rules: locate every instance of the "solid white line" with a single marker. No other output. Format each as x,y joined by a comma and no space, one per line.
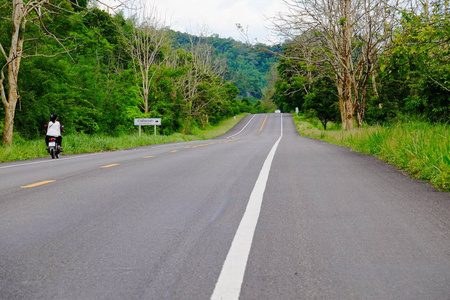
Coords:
86,155
242,128
228,286
48,161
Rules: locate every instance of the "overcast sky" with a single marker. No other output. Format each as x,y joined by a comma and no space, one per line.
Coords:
221,16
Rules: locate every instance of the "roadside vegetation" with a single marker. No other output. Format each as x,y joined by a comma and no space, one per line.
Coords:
77,143
416,147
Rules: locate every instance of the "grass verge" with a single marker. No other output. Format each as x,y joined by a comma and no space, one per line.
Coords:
83,143
421,149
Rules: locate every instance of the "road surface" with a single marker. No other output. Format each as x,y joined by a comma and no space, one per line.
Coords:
259,213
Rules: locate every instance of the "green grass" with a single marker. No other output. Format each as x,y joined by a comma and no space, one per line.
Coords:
421,149
82,143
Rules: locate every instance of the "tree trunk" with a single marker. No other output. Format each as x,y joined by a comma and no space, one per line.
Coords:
374,85
346,56
340,90
348,103
8,125
361,109
360,114
13,96
349,115
146,95
13,61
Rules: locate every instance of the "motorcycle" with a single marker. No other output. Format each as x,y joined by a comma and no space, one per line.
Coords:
53,148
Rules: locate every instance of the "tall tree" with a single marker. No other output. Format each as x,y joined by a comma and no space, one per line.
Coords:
147,42
27,24
348,34
202,78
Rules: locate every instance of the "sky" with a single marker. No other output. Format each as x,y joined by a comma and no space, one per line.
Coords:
220,17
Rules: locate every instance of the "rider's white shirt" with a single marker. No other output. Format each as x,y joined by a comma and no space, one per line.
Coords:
54,129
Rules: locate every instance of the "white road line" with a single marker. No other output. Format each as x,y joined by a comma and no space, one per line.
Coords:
48,161
228,286
88,154
242,128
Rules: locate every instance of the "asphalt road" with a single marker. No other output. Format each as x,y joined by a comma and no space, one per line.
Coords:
259,212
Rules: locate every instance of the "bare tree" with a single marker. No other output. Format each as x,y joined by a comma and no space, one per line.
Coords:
348,35
200,69
146,45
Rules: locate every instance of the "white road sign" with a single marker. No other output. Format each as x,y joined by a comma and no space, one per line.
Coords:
149,121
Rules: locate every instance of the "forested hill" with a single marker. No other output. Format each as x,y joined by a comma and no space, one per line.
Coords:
248,65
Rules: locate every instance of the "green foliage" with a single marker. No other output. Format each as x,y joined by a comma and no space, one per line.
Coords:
301,85
323,102
289,91
416,73
94,87
247,65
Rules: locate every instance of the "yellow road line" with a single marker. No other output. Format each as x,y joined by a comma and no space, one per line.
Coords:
212,143
201,145
264,123
37,184
233,140
173,151
150,156
108,166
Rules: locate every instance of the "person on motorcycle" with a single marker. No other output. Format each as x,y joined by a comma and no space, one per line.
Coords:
54,128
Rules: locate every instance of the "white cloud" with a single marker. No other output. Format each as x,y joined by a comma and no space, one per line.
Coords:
218,16
221,16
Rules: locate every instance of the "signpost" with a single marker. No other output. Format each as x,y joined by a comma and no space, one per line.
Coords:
149,121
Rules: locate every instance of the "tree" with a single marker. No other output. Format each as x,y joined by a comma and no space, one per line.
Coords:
322,101
416,69
32,33
267,103
147,43
201,81
305,83
295,76
348,35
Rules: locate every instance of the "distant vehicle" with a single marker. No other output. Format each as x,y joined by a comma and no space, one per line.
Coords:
277,111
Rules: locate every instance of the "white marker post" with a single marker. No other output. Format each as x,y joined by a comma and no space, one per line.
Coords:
150,121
